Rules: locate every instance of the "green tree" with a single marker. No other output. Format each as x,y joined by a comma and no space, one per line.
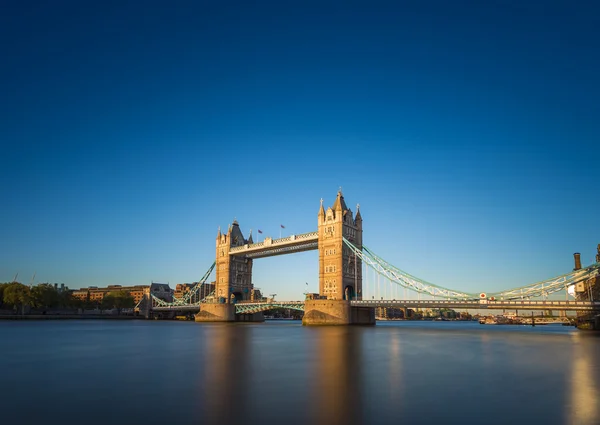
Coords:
90,304
108,301
67,300
125,300
2,286
44,295
119,300
17,295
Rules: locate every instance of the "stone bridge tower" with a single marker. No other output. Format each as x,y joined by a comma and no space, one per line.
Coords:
234,273
340,270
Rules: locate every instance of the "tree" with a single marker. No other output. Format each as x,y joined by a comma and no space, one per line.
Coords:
119,300
67,300
17,295
44,295
2,286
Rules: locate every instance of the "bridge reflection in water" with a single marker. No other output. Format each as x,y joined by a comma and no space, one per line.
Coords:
584,391
336,385
423,372
283,373
249,377
225,382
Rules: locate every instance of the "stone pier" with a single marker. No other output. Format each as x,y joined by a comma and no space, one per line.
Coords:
336,312
225,313
216,313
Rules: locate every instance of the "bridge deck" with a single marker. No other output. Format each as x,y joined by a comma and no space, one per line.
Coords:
270,247
254,307
192,308
488,305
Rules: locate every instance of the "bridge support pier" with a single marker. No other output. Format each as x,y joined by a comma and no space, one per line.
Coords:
216,313
336,312
225,313
253,317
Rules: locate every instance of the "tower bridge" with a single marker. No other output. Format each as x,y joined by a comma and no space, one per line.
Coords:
340,269
342,256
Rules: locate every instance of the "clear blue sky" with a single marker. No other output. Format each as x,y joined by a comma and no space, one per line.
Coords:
467,131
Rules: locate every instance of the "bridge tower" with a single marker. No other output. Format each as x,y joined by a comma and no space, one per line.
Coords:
234,274
340,270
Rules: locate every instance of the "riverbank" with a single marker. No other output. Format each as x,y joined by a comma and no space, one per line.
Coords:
68,317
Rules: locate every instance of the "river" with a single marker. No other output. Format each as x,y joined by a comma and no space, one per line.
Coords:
279,372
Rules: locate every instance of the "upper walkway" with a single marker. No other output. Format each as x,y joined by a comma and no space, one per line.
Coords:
270,247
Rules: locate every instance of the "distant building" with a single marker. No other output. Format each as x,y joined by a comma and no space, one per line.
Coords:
60,289
256,295
93,293
162,291
390,313
182,289
81,294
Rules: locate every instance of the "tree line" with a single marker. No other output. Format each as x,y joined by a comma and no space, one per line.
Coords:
15,295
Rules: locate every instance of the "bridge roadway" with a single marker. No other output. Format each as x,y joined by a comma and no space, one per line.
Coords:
483,304
255,307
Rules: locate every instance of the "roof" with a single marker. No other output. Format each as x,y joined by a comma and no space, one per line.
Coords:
339,203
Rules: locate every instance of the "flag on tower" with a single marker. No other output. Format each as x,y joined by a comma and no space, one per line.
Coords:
259,231
282,226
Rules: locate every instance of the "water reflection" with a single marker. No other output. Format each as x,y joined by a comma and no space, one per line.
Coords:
395,369
282,373
336,384
226,375
584,391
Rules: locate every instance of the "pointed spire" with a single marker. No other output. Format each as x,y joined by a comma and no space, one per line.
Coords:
339,204
250,237
321,210
358,217
219,232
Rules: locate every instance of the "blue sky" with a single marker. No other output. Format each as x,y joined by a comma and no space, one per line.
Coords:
467,131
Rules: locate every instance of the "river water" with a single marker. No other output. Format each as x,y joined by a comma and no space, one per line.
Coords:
162,372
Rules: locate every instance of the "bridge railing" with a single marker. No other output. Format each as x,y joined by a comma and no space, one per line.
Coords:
270,242
307,235
483,304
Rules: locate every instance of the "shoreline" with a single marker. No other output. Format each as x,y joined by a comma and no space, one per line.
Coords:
68,317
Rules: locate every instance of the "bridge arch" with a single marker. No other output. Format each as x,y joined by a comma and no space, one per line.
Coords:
349,293
251,308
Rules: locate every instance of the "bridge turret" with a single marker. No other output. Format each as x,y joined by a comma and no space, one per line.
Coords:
359,230
358,217
340,271
322,213
339,205
234,273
